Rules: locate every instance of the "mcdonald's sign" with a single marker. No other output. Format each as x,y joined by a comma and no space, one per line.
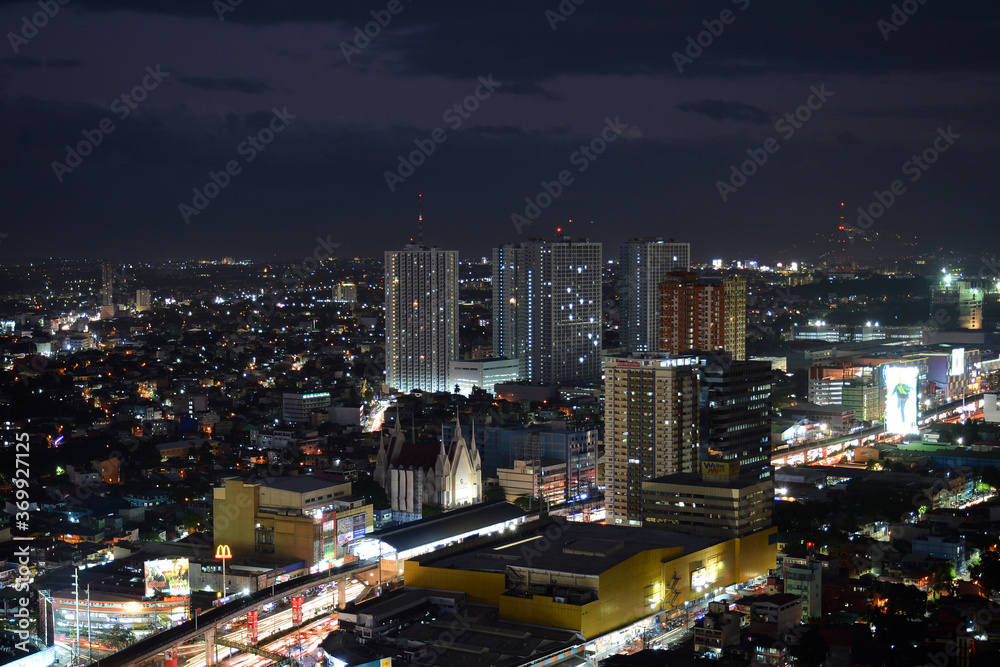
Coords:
222,552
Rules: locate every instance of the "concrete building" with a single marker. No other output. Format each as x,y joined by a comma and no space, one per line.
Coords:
716,502
805,580
642,265
718,629
651,427
707,313
345,293
299,517
590,578
143,300
548,309
482,373
296,408
839,418
773,614
421,317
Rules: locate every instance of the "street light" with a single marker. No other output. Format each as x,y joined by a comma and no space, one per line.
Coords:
223,553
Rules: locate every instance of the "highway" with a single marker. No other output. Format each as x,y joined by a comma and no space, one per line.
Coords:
188,631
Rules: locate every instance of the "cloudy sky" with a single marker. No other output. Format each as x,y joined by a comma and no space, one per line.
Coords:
664,121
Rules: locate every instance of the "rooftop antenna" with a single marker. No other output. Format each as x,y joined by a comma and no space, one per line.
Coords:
420,218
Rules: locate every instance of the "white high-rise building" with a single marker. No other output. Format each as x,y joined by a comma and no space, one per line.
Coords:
643,265
421,317
143,300
548,309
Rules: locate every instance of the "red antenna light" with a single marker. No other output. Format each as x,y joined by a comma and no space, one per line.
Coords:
558,230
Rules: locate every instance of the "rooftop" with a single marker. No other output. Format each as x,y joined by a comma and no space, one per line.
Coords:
560,546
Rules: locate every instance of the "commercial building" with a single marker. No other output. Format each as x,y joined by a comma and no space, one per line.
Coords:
651,427
706,313
957,303
345,293
548,311
296,408
590,578
143,300
717,502
718,629
501,446
642,265
544,478
299,517
482,373
421,317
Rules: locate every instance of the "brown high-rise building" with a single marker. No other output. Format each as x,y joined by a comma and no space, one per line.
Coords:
703,314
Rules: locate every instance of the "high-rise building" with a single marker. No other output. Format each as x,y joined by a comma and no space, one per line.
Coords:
736,414
107,283
421,317
702,314
143,300
651,427
548,308
957,304
644,264
345,293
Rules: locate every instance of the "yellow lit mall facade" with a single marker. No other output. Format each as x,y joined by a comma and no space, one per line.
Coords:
591,578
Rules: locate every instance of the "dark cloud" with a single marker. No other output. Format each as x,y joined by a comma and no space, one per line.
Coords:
237,84
722,110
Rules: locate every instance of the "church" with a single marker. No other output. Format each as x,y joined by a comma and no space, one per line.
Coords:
415,474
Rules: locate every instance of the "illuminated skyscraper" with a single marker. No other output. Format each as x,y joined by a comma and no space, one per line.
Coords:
703,314
421,317
643,264
651,429
143,300
107,283
548,308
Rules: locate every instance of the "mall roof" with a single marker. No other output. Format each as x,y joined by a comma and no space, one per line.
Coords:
564,546
450,524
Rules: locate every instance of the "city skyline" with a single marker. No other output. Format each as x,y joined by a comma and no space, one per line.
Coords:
245,130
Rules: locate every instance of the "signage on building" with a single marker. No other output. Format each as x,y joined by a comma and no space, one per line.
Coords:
720,468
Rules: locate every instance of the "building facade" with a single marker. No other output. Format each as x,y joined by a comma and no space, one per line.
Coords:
421,317
642,265
651,427
548,310
485,374
702,314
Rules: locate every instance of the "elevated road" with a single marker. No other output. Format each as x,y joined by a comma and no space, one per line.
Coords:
208,622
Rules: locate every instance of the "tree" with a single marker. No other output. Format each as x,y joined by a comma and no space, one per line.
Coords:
944,578
432,509
191,520
907,601
812,649
523,501
118,637
986,572
494,492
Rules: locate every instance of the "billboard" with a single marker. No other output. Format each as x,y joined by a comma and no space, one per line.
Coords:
957,361
168,576
901,399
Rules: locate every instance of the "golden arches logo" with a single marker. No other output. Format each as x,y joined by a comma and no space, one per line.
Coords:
222,552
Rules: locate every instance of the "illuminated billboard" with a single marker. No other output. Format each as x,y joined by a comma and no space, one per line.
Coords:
957,361
168,576
901,400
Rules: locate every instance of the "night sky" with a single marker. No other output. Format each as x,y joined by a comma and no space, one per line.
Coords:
553,82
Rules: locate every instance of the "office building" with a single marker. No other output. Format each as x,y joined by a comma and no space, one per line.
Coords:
485,374
296,408
548,309
643,264
297,518
736,414
651,427
143,300
345,293
421,317
705,313
957,304
715,502
107,283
